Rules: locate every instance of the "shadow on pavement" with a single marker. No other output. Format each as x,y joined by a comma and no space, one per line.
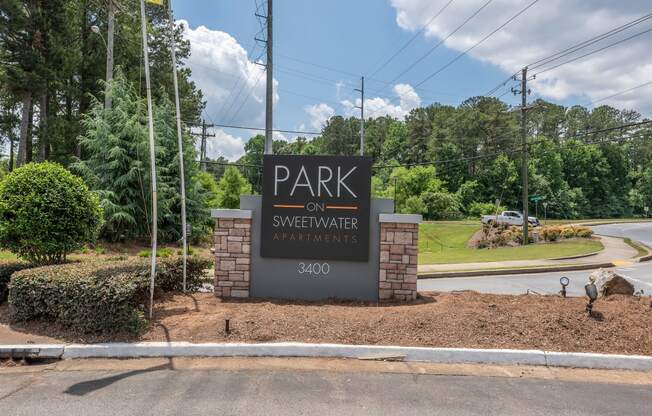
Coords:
85,387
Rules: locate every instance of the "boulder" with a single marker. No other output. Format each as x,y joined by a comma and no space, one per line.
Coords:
609,283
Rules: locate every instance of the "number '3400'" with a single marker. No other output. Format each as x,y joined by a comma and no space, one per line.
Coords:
314,269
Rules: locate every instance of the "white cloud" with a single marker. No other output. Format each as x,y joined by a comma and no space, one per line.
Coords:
319,114
225,145
406,96
219,66
549,26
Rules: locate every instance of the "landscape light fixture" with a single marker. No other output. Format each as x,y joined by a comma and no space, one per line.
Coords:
564,281
592,293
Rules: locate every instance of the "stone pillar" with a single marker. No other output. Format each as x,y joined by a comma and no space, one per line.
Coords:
232,252
399,237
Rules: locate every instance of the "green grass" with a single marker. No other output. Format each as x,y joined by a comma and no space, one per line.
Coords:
5,255
640,250
445,242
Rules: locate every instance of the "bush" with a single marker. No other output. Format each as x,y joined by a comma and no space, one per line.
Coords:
97,297
46,213
551,233
86,297
169,276
555,233
478,209
568,232
6,270
442,205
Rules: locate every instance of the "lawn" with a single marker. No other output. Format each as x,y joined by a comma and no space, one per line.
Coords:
5,255
445,242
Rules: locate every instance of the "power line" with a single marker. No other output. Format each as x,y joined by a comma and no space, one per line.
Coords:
416,35
452,61
595,51
574,48
619,93
233,126
247,97
588,42
441,42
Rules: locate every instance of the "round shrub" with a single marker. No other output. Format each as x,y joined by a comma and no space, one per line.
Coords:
46,212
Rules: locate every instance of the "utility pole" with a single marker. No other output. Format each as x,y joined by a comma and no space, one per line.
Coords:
361,107
109,53
202,146
524,168
269,96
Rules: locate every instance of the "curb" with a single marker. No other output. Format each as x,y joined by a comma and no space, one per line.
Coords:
525,270
295,349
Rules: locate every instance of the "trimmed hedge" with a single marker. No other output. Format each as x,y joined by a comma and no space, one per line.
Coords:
169,275
554,233
96,297
87,297
6,270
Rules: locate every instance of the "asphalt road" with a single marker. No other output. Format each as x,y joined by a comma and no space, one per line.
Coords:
639,274
162,392
636,231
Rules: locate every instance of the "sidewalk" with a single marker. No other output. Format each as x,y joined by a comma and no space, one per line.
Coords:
616,252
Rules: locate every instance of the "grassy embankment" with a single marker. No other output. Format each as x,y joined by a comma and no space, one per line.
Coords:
445,242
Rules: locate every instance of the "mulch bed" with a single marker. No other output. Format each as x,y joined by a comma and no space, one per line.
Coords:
622,324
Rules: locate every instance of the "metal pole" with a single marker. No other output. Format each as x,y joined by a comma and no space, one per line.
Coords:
152,158
269,119
524,168
184,230
109,54
361,107
362,118
202,147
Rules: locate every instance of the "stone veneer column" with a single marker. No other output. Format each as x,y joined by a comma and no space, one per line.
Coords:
232,252
399,237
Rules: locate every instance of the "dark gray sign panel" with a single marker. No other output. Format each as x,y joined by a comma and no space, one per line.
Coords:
316,207
312,279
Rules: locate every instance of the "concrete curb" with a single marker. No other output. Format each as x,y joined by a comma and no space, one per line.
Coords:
295,349
524,270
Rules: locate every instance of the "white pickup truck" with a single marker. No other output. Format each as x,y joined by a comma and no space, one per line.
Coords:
510,218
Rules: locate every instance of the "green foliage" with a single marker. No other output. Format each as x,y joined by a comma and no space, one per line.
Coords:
478,209
230,187
97,297
117,167
86,297
441,206
46,213
169,276
7,268
160,252
209,188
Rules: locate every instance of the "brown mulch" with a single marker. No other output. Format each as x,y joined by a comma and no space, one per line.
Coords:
464,319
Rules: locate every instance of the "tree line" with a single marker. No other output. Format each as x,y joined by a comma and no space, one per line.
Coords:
449,161
439,160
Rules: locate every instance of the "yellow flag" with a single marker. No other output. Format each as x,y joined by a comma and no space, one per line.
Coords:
159,2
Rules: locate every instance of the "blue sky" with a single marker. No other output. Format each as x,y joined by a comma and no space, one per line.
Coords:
355,37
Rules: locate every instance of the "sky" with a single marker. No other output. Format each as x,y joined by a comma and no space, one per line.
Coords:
411,53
